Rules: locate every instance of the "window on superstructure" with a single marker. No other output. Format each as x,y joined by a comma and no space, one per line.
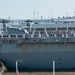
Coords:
59,58
10,41
60,63
72,22
66,22
5,41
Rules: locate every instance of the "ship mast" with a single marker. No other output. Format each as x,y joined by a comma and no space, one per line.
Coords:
4,21
4,26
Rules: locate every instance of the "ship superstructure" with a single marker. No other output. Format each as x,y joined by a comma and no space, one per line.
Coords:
38,44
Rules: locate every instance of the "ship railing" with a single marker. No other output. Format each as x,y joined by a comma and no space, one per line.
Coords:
61,39
36,36
15,36
43,38
50,39
12,36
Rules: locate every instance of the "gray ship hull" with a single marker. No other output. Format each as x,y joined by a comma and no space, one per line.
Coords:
39,60
41,57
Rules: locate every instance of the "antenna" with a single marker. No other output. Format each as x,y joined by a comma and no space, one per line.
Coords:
34,15
74,13
37,15
41,18
66,14
9,18
50,14
48,17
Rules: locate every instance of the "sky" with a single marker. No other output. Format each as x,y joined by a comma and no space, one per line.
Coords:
23,9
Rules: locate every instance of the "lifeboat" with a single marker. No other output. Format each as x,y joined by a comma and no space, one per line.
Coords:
2,68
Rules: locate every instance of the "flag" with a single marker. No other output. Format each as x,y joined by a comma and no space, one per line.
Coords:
17,72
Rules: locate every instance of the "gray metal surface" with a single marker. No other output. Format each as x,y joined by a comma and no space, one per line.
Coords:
39,59
39,55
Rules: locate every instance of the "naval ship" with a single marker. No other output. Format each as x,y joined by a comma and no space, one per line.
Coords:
37,44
